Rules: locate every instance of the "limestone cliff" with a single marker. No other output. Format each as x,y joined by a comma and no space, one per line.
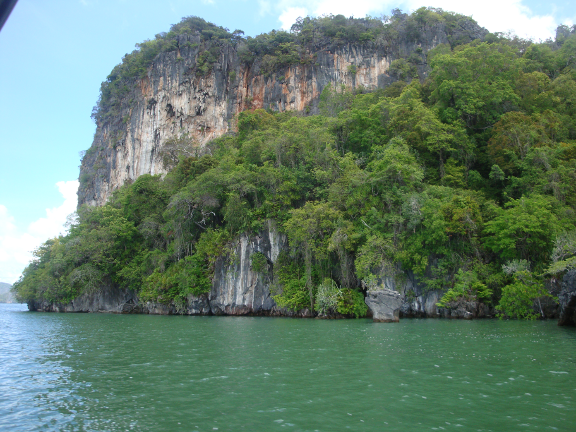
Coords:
175,97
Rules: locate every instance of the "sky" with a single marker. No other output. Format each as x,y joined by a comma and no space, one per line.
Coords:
55,54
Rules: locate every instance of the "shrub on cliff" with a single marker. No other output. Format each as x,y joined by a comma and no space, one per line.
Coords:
519,297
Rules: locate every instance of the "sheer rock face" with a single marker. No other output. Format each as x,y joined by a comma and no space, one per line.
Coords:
174,98
417,300
384,304
567,300
237,289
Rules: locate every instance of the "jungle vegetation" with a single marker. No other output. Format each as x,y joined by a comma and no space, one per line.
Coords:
467,179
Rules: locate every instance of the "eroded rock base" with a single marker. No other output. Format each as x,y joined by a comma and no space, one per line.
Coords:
384,304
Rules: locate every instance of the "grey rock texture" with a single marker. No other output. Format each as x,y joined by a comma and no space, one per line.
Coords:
417,301
239,290
108,299
194,305
549,307
384,304
174,98
567,300
111,299
420,302
463,309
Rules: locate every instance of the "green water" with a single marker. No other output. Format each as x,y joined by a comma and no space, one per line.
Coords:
148,373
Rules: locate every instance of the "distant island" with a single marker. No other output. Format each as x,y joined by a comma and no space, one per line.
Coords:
6,295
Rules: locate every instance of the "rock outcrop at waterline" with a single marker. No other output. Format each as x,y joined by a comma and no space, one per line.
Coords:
385,305
176,98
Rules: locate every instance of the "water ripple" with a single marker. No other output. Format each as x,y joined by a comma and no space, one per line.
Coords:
115,373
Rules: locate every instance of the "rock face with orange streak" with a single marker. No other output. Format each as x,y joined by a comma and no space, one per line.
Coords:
174,99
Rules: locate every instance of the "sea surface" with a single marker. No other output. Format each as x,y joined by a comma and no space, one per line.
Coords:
105,372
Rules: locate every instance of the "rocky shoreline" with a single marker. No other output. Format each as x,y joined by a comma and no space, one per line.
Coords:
239,290
384,306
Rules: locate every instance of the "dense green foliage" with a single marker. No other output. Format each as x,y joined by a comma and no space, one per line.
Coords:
467,179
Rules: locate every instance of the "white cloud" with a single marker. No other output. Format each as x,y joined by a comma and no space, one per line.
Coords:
265,7
495,15
501,16
51,225
16,246
289,16
357,8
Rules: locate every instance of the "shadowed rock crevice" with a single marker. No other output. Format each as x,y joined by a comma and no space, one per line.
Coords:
567,300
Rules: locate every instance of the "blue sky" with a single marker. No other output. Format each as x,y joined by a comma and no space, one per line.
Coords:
54,55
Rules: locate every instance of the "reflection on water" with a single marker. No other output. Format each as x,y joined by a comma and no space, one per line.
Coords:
146,373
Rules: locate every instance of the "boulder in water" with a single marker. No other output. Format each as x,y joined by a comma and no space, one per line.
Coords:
385,305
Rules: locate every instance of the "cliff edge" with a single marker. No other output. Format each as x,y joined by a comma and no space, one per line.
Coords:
194,80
